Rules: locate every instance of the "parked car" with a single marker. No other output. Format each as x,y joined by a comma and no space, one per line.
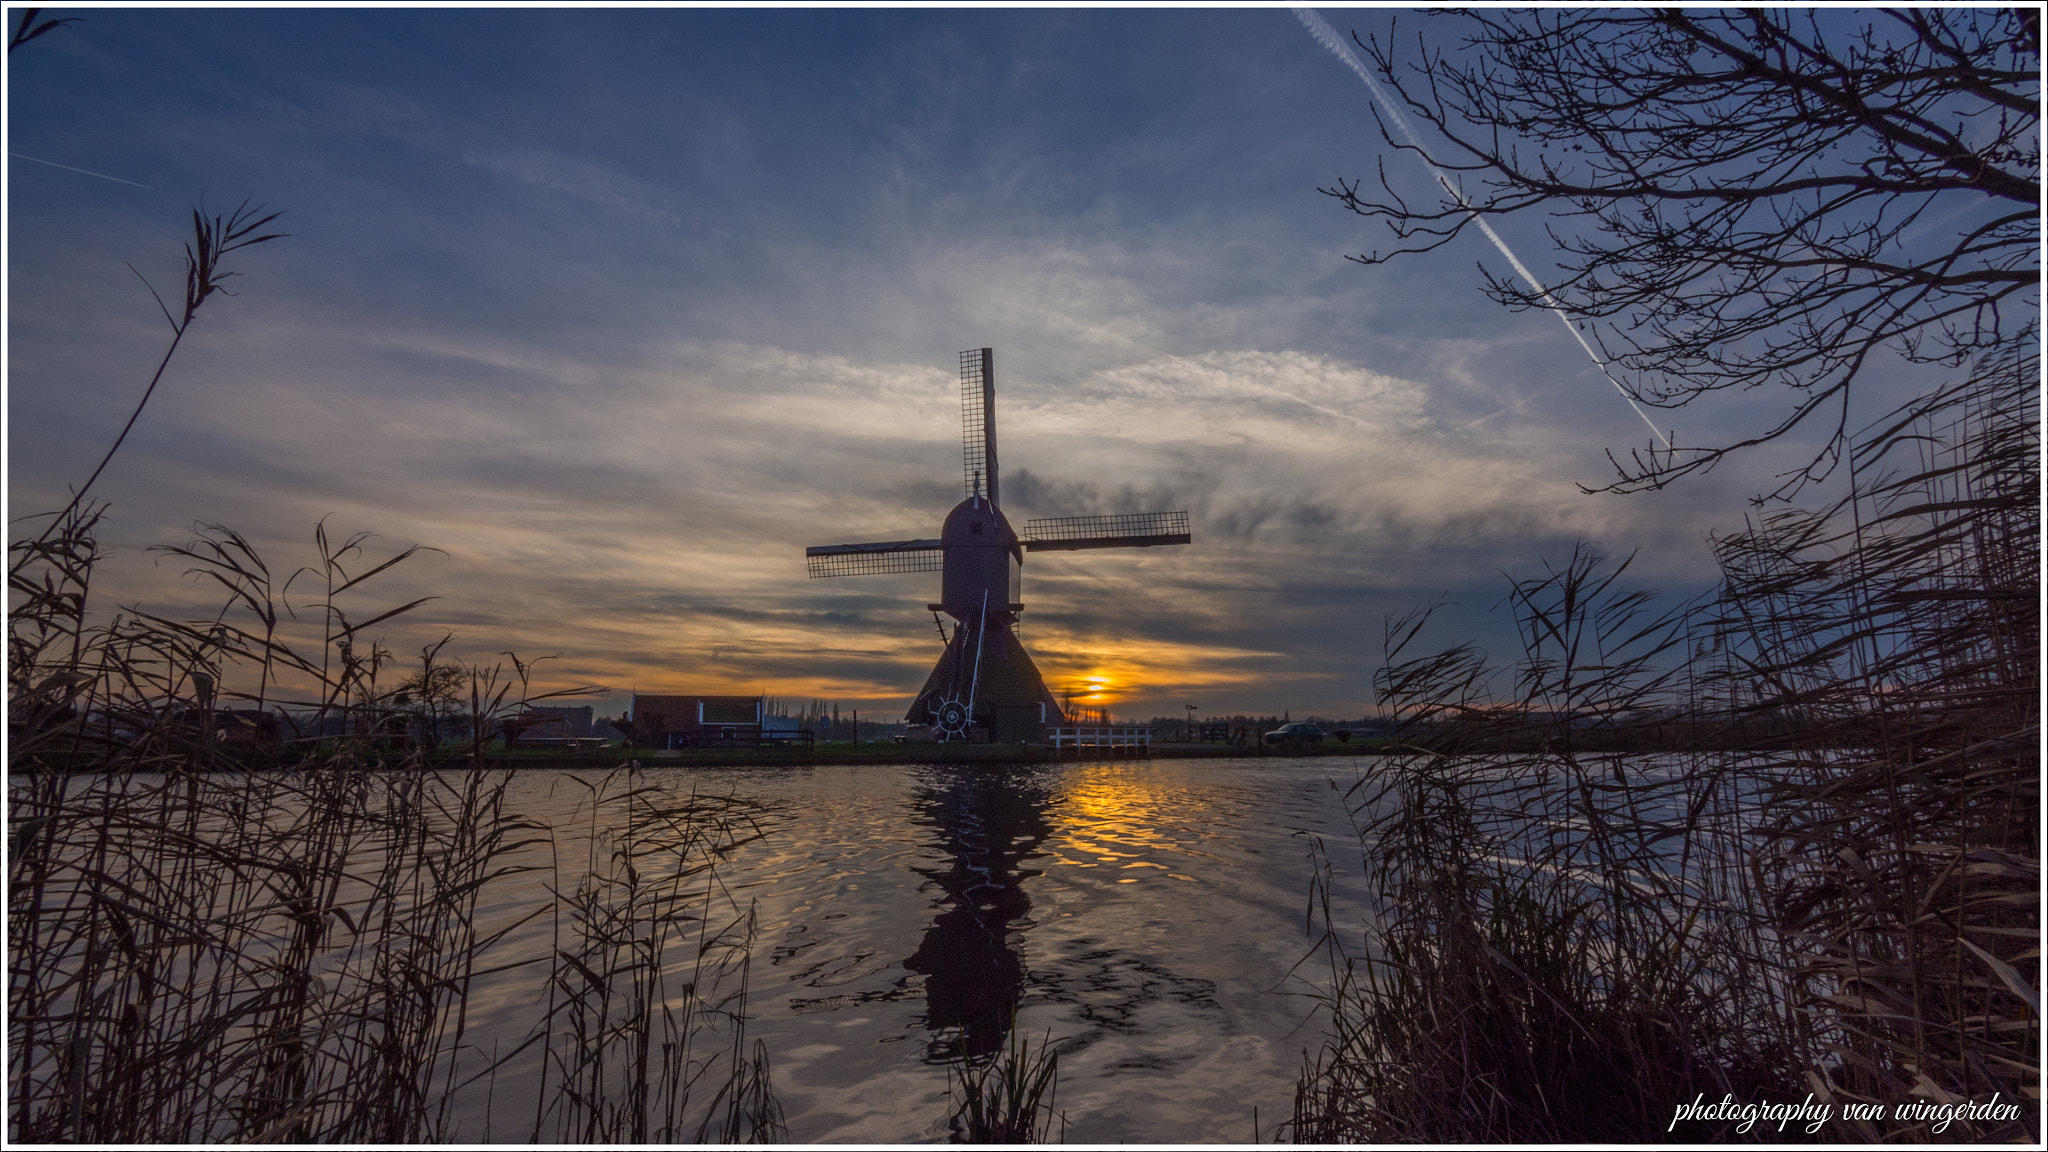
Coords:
1295,734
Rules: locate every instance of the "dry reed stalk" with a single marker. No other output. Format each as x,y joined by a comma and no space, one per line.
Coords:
207,956
1817,871
214,238
216,936
650,968
1904,866
1011,1097
223,931
1552,957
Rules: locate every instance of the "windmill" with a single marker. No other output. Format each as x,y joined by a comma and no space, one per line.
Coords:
985,685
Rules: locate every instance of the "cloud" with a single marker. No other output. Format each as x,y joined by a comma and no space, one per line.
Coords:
646,518
623,368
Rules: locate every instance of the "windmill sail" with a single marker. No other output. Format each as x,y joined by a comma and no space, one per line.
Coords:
978,422
1131,530
874,559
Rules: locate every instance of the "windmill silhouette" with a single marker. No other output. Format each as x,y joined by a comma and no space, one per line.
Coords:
985,686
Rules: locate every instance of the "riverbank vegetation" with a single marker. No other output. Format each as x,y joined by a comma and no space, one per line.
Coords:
204,953
1009,1097
1573,941
244,907
1824,883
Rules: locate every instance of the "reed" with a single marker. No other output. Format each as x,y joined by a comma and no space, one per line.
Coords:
267,923
1774,844
1902,866
1011,1097
228,930
1551,959
627,1022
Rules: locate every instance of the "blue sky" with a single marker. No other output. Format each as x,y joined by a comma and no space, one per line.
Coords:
621,309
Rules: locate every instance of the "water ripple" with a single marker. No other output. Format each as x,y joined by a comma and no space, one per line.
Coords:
1146,914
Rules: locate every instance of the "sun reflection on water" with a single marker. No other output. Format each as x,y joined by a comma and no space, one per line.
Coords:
1127,821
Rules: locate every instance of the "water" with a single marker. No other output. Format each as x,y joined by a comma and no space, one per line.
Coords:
1149,915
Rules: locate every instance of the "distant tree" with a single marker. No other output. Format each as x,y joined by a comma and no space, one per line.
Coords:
636,735
1741,198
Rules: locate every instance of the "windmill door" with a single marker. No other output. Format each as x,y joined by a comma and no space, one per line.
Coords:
1018,724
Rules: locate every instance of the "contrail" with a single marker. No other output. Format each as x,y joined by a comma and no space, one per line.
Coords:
1328,37
69,168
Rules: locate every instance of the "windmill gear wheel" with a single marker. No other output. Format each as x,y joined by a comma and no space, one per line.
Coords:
951,717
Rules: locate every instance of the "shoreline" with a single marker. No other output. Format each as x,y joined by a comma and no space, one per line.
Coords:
883,754
879,755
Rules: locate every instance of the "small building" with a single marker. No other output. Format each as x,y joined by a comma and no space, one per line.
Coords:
552,727
693,721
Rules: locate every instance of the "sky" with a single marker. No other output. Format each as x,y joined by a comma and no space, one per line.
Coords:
617,311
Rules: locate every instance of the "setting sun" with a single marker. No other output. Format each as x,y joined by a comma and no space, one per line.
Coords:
1097,688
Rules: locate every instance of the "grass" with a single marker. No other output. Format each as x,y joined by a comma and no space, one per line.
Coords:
1827,883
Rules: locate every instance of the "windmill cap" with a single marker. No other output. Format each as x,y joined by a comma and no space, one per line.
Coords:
974,521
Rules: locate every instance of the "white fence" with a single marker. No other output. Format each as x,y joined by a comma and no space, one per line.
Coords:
1101,736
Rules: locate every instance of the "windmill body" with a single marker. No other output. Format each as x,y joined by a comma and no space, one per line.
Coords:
984,686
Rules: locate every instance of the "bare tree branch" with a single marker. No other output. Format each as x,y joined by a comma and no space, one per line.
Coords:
1740,198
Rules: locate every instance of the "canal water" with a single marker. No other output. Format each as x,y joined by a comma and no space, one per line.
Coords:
1150,917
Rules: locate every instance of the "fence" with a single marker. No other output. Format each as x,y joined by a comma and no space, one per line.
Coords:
1102,736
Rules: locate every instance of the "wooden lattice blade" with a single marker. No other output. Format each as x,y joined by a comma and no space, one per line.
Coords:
879,558
1128,530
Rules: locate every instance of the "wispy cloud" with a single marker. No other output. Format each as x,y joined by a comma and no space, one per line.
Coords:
622,373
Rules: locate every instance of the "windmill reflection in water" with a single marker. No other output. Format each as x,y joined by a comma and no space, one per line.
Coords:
989,821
